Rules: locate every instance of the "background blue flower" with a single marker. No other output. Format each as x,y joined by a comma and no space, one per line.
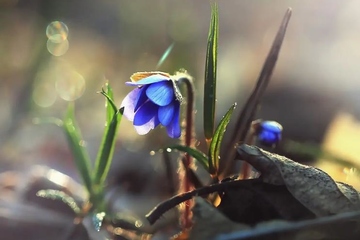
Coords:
270,132
151,103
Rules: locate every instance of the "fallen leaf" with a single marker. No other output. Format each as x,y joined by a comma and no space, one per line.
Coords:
312,187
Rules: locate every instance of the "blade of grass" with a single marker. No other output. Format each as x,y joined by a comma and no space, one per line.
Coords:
109,104
247,114
105,153
210,74
199,156
214,150
165,55
81,157
60,195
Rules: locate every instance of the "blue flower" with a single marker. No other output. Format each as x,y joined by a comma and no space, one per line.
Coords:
269,133
155,100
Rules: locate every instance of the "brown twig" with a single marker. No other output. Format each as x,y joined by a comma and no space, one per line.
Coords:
248,112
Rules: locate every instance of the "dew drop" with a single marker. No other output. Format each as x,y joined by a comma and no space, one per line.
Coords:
152,153
82,143
138,223
168,150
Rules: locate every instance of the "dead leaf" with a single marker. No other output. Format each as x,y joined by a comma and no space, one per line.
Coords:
253,201
312,187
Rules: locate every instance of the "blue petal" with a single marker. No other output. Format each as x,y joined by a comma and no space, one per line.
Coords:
141,98
173,129
161,93
145,128
267,136
129,103
145,113
166,113
148,80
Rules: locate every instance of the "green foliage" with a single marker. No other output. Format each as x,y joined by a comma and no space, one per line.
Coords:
76,144
106,150
199,156
210,74
214,150
93,178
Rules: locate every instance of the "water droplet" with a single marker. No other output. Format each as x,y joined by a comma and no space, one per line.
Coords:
168,150
152,153
138,223
82,143
57,49
57,32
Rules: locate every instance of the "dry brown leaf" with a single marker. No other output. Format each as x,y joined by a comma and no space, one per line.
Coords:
314,188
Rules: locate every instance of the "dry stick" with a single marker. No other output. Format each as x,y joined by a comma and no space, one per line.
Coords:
248,112
166,205
267,231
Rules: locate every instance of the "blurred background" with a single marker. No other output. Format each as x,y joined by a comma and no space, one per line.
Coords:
53,52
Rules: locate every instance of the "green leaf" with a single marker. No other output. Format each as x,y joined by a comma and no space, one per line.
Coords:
111,108
199,156
210,74
214,150
97,220
76,144
60,195
105,154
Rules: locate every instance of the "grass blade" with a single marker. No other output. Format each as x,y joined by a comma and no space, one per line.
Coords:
210,74
81,157
165,55
199,156
105,154
248,112
60,195
214,150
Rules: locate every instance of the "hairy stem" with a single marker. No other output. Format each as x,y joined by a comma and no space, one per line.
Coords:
186,184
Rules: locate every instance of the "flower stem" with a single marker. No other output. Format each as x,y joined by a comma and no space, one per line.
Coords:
186,184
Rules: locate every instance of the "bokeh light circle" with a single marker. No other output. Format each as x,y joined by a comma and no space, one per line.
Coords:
43,95
70,85
57,49
57,32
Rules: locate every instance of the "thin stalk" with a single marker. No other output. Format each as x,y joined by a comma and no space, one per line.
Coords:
250,140
187,185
